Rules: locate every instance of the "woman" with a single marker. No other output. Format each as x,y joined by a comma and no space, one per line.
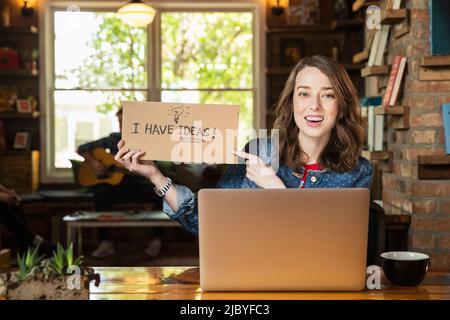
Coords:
320,141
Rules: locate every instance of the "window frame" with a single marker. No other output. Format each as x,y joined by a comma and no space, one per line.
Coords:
51,174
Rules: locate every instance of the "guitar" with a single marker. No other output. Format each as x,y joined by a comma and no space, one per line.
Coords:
115,171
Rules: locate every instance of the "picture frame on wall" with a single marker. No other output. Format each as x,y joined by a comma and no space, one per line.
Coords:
8,97
22,140
24,106
303,12
291,51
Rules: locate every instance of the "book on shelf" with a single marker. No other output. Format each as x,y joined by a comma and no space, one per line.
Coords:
369,39
373,48
394,4
375,123
378,143
390,84
395,80
370,128
379,46
381,38
370,101
375,130
398,81
446,120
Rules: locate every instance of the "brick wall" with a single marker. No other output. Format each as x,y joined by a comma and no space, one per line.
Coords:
427,201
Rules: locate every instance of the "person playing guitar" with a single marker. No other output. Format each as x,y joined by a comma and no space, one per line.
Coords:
110,185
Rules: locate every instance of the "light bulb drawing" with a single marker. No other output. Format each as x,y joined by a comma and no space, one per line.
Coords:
177,112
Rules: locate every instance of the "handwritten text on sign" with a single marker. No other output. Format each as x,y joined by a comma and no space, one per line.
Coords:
192,133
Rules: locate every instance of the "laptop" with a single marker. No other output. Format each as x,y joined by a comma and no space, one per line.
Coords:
283,240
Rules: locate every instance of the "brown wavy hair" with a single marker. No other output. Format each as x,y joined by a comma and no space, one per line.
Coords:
347,137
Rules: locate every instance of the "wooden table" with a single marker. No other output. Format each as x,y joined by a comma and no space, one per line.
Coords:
121,219
173,283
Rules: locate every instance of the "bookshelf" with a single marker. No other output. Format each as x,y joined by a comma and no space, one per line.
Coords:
358,5
287,44
392,17
274,71
361,56
346,24
377,155
353,67
300,29
374,71
362,4
433,167
399,115
434,74
350,67
436,61
18,73
399,19
402,28
382,159
376,75
13,30
20,170
435,68
17,115
382,83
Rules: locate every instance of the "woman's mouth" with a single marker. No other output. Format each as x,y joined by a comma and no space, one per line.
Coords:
314,121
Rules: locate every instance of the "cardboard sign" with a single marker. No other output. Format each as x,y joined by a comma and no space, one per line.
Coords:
181,132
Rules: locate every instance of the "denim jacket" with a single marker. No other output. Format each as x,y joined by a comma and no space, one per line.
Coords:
234,177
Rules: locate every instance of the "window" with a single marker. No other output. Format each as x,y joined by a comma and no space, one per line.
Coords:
99,62
186,55
439,26
207,57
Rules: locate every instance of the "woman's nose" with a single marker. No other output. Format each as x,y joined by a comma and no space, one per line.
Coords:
315,104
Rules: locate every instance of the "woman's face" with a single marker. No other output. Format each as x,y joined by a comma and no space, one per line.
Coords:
315,103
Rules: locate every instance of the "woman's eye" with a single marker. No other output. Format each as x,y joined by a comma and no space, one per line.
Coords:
303,94
330,96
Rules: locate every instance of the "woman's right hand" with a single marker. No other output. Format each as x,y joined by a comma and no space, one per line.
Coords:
130,160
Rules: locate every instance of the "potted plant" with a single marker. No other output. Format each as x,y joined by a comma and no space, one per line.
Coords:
61,277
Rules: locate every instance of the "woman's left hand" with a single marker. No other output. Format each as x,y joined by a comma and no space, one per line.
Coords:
259,172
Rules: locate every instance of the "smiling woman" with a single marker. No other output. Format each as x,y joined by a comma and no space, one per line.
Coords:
320,135
319,105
